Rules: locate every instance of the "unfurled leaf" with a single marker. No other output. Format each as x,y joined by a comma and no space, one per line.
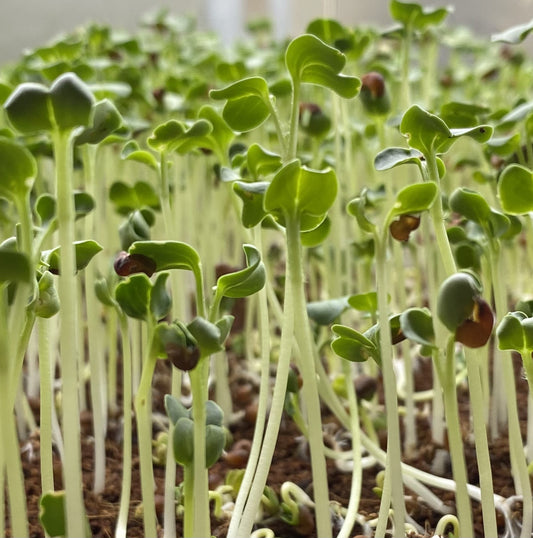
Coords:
415,199
27,108
391,157
246,281
261,162
133,296
416,16
175,136
247,103
299,191
168,254
72,102
515,189
310,60
430,135
470,204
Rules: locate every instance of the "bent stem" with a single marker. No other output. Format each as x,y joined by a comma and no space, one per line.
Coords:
393,471
262,405
276,410
446,374
309,388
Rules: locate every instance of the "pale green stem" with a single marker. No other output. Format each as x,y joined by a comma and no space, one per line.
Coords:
276,410
309,389
125,493
68,297
409,419
169,514
357,473
45,429
482,447
202,524
293,127
10,464
262,404
518,459
437,216
95,337
455,441
393,470
527,361
112,356
144,431
188,500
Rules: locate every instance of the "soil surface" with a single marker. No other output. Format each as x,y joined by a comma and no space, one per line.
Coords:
290,463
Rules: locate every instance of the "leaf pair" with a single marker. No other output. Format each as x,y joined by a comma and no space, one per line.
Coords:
66,105
183,433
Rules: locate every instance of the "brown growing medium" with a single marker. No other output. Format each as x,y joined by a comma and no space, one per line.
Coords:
290,463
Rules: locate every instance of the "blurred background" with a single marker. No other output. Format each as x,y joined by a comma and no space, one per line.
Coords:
29,23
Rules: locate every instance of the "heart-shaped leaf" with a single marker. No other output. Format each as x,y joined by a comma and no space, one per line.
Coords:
27,108
248,103
127,198
300,191
133,296
72,102
310,60
430,135
175,136
262,162
416,16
